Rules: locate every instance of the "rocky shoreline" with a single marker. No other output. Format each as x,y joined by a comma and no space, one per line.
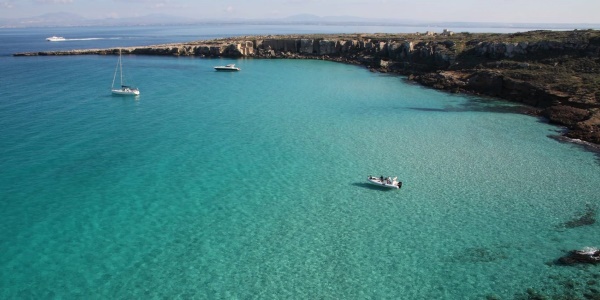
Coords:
557,73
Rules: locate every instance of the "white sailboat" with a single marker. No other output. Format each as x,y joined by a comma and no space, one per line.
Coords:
124,89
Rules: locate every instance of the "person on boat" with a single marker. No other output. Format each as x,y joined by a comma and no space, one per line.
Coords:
381,178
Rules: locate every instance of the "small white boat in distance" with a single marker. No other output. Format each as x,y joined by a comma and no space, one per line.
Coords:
229,67
386,182
55,39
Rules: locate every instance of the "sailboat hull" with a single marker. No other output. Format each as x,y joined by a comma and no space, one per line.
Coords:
125,92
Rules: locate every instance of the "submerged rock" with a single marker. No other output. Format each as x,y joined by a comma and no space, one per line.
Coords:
589,255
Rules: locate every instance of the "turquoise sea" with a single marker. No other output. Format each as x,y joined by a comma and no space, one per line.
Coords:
252,185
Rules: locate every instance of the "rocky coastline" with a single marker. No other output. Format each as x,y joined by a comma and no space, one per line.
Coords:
557,73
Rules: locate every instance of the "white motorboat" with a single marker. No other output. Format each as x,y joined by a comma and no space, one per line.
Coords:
386,182
124,90
229,67
55,39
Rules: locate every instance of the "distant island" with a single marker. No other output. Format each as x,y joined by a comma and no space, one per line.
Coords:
66,19
555,72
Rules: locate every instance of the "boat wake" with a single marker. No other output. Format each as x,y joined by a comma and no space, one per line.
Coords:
85,39
89,39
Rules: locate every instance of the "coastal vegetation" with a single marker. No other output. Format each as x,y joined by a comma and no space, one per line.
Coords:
557,73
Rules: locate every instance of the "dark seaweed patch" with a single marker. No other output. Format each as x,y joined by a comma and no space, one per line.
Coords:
588,218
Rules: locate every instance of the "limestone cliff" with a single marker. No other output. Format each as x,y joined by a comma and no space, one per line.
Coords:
556,72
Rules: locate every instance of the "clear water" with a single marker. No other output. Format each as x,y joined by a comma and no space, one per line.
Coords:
252,185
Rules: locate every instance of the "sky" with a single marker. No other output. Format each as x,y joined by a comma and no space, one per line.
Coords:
503,11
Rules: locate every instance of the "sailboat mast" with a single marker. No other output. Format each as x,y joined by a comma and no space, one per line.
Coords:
121,67
116,70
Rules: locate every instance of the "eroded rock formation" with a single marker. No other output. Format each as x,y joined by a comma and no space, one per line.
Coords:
556,72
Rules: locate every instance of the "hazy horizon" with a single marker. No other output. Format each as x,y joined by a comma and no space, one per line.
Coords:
495,11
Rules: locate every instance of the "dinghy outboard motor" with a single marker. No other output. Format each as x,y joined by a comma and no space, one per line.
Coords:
400,185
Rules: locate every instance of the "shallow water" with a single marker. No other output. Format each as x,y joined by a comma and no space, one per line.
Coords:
252,184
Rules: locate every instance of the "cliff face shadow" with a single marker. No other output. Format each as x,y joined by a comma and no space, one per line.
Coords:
429,109
477,104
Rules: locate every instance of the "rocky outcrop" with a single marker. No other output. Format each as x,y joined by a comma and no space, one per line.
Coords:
587,255
557,72
566,115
